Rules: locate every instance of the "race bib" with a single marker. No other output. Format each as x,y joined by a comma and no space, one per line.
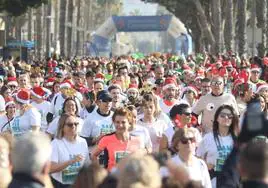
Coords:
120,155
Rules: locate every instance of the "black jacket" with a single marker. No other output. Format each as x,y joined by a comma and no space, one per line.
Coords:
254,184
25,181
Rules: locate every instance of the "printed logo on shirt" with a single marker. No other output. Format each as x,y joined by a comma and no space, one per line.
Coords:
15,127
106,129
223,152
70,173
120,155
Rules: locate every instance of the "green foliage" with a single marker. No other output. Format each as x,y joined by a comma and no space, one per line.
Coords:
19,7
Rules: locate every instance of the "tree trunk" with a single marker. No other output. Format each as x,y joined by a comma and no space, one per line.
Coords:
262,21
205,27
48,29
62,22
29,26
78,31
241,31
216,21
39,31
228,27
70,27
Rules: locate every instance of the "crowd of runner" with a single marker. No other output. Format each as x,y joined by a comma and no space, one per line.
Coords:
152,121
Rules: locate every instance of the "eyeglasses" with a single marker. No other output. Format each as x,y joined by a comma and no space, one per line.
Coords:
187,113
72,124
186,140
12,86
226,115
255,72
216,83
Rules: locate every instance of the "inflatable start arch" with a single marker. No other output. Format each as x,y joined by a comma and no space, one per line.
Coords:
101,41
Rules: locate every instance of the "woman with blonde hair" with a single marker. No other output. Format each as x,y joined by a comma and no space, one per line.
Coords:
150,120
184,142
69,152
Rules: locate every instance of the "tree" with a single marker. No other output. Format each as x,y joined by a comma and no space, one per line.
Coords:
241,26
62,21
19,7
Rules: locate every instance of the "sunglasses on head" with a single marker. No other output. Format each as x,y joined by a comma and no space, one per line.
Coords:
216,83
72,124
226,115
186,140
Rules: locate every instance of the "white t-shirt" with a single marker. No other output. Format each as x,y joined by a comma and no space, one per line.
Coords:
62,151
56,107
4,124
96,125
53,126
156,130
143,133
24,123
43,109
198,171
165,108
215,154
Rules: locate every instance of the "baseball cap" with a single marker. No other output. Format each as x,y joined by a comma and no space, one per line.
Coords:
104,96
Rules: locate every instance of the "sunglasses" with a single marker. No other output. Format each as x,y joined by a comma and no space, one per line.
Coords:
72,124
187,113
226,115
216,83
255,72
12,86
186,140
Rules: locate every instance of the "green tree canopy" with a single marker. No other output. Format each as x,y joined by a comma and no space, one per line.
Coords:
19,7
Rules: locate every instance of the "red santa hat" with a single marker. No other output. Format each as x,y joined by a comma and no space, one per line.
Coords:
9,101
99,77
255,67
227,64
193,89
38,92
169,83
12,81
23,96
50,81
261,86
66,84
133,87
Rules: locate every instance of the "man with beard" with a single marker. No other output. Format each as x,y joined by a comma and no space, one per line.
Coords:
170,91
115,92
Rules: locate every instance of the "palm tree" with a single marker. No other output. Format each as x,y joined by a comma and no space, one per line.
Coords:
39,31
48,28
228,27
217,22
261,6
62,21
69,27
242,24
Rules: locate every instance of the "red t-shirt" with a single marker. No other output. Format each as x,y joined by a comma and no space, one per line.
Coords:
118,149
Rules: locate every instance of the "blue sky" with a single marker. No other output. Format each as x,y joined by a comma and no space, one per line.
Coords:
145,8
